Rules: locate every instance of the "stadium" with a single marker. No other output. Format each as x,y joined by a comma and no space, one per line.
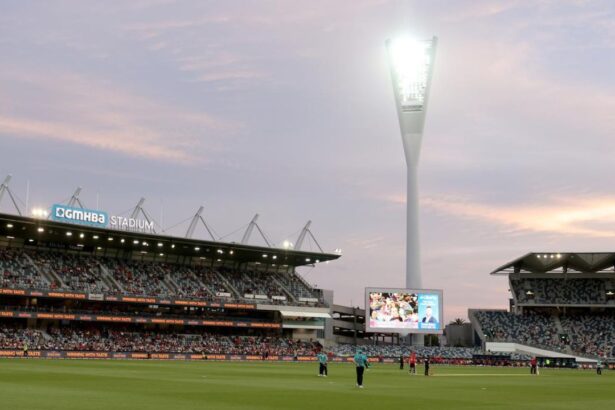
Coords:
286,108
73,290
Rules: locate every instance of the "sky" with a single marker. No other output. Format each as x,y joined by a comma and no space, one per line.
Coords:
286,109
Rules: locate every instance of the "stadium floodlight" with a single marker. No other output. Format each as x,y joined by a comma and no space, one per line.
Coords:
411,63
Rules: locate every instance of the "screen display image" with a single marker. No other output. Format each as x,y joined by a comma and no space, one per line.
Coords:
403,310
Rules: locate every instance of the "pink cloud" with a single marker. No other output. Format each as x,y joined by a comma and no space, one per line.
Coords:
91,112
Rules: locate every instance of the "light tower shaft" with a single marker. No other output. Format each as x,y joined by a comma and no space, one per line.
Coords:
413,247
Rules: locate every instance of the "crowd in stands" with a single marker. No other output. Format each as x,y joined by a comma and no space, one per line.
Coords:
185,283
564,291
587,335
54,270
139,278
18,272
69,271
346,350
109,340
531,328
591,335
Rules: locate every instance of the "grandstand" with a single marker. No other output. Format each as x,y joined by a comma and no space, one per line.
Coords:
68,289
71,290
562,304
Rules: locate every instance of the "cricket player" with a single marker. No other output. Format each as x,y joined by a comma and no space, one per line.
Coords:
412,363
361,362
322,364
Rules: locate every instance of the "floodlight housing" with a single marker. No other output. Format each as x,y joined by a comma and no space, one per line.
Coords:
411,61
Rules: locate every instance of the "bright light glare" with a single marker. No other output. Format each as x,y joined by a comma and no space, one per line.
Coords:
40,213
411,60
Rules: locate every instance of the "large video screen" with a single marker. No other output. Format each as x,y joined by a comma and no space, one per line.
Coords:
403,310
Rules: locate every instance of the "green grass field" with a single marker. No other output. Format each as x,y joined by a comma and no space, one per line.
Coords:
62,384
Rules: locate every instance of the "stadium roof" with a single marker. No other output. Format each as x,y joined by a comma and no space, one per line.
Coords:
570,262
59,235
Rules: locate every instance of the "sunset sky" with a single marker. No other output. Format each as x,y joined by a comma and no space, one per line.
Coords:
285,108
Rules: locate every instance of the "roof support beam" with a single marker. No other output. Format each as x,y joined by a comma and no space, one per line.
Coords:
140,210
75,199
305,232
253,224
195,220
5,188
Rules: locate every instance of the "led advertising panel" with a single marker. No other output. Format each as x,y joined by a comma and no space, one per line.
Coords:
403,310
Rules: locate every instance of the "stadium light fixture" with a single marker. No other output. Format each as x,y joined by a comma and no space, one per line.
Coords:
411,64
95,237
160,244
69,234
196,248
9,226
41,229
110,239
39,213
81,235
122,240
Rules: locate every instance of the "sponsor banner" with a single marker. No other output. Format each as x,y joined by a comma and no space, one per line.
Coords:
96,296
278,297
248,296
133,319
310,300
130,224
260,297
125,299
99,219
223,294
59,354
79,216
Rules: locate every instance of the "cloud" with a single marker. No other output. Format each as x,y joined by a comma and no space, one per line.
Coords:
587,217
98,114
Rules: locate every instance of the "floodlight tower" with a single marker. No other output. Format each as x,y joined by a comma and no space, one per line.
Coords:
411,64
